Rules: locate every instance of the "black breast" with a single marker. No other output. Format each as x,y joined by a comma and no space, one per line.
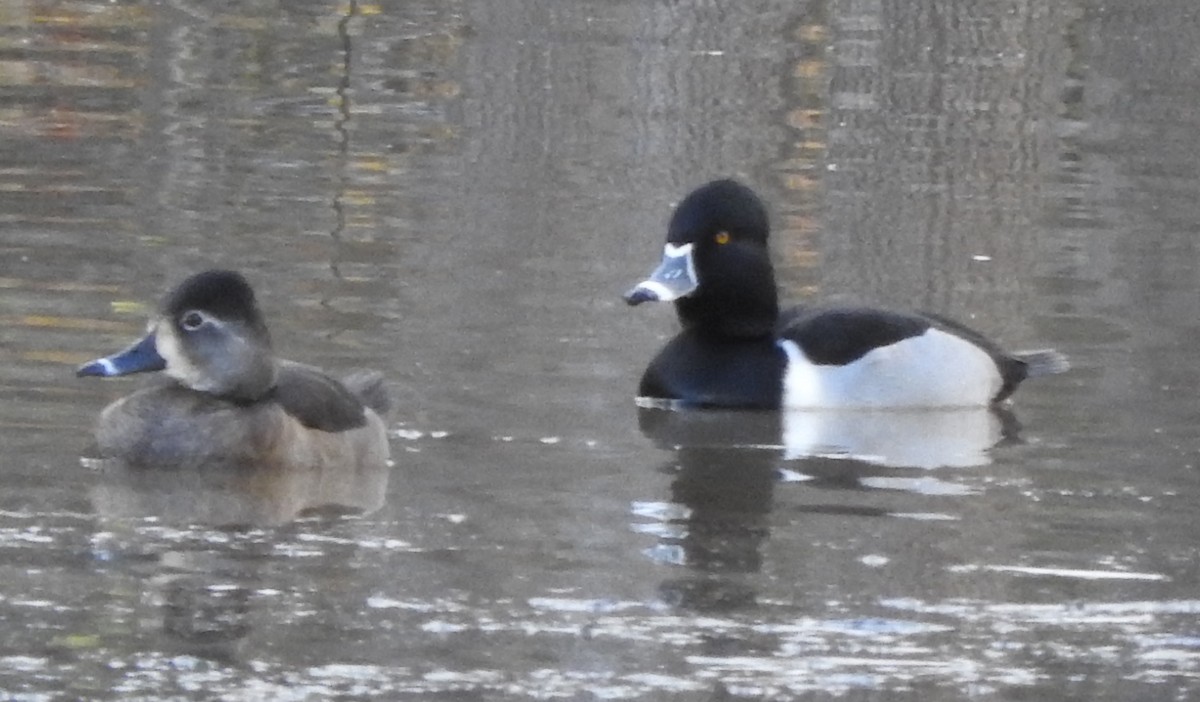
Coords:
705,371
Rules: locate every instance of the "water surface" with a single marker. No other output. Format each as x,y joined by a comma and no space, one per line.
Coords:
456,193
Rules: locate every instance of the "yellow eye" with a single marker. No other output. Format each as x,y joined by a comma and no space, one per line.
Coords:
721,238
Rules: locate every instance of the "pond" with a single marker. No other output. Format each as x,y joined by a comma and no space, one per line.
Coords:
457,193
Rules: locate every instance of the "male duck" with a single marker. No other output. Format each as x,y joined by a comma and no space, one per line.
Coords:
230,403
736,350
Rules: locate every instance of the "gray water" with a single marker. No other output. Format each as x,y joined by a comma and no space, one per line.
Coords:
456,192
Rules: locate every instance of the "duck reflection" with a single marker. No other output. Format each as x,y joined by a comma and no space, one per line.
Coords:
932,438
206,586
205,618
727,463
205,572
725,467
242,495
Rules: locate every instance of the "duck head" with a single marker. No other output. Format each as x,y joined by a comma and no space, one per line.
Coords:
208,335
716,267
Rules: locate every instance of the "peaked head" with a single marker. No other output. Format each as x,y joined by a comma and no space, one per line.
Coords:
221,294
715,266
719,213
209,335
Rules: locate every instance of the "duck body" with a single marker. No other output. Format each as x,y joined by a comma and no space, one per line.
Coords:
226,401
703,371
173,426
736,350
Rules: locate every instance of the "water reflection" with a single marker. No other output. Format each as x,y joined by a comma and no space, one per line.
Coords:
725,496
207,594
958,438
259,495
726,466
206,618
454,186
723,478
188,535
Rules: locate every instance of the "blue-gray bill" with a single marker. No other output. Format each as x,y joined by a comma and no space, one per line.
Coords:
141,357
674,278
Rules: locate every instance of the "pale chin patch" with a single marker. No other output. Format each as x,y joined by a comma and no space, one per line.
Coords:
166,341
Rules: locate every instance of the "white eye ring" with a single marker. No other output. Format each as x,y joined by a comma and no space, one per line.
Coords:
192,320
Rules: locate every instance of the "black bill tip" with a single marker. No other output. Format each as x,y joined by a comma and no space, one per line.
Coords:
638,295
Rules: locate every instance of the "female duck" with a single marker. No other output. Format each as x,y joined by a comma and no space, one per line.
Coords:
229,402
736,350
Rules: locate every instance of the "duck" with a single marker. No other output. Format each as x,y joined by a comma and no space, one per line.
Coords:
736,349
223,399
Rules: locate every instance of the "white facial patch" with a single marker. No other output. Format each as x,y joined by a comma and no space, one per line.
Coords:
178,366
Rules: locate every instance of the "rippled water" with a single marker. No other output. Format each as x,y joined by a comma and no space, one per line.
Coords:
456,193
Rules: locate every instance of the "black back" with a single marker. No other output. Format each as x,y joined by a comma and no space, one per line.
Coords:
835,337
843,335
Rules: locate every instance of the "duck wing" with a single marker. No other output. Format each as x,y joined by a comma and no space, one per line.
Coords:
369,387
317,400
838,336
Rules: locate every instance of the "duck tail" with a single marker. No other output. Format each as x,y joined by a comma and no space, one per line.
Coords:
369,388
1043,362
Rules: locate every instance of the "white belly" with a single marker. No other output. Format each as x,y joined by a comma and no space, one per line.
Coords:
935,369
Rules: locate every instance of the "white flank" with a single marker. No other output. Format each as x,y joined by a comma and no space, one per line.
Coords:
935,369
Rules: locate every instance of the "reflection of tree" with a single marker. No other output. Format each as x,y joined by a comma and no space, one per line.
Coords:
291,123
938,148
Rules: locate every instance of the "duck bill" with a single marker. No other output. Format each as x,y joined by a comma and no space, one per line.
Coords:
674,278
138,358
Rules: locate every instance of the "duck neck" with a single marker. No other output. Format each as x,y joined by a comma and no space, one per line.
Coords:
254,382
744,305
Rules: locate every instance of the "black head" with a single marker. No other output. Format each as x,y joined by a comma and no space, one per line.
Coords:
719,212
716,267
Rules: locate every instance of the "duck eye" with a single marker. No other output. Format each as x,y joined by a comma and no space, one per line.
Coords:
721,238
191,321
